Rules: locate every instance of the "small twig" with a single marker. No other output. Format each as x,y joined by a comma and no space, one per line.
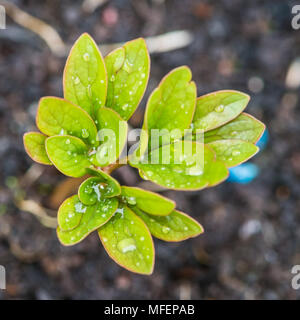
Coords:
156,44
32,174
91,5
63,190
162,43
114,166
32,207
44,30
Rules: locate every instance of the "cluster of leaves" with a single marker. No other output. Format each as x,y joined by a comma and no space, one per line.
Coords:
103,94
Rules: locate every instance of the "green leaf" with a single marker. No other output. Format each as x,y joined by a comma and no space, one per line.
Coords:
128,241
233,152
183,165
91,190
128,72
147,201
68,216
95,188
68,154
34,143
113,187
113,134
57,116
172,104
244,127
92,217
85,79
216,108
177,226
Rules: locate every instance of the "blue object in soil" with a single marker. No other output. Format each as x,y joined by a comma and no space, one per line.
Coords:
246,172
263,141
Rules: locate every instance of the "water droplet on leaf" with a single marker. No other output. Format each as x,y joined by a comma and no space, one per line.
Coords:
219,108
86,57
84,133
131,200
165,229
77,80
127,66
195,171
235,153
126,245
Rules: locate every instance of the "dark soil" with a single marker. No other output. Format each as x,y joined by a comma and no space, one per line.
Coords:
252,236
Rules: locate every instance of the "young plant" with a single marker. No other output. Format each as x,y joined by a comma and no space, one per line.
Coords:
187,143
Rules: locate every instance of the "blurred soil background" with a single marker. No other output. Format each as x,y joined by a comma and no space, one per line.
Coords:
252,236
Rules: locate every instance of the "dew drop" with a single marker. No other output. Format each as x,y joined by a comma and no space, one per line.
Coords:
86,57
126,245
235,153
97,191
234,133
102,186
219,108
195,171
149,173
165,229
68,141
131,200
84,133
177,170
127,66
89,88
76,80
79,207
112,78
88,190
